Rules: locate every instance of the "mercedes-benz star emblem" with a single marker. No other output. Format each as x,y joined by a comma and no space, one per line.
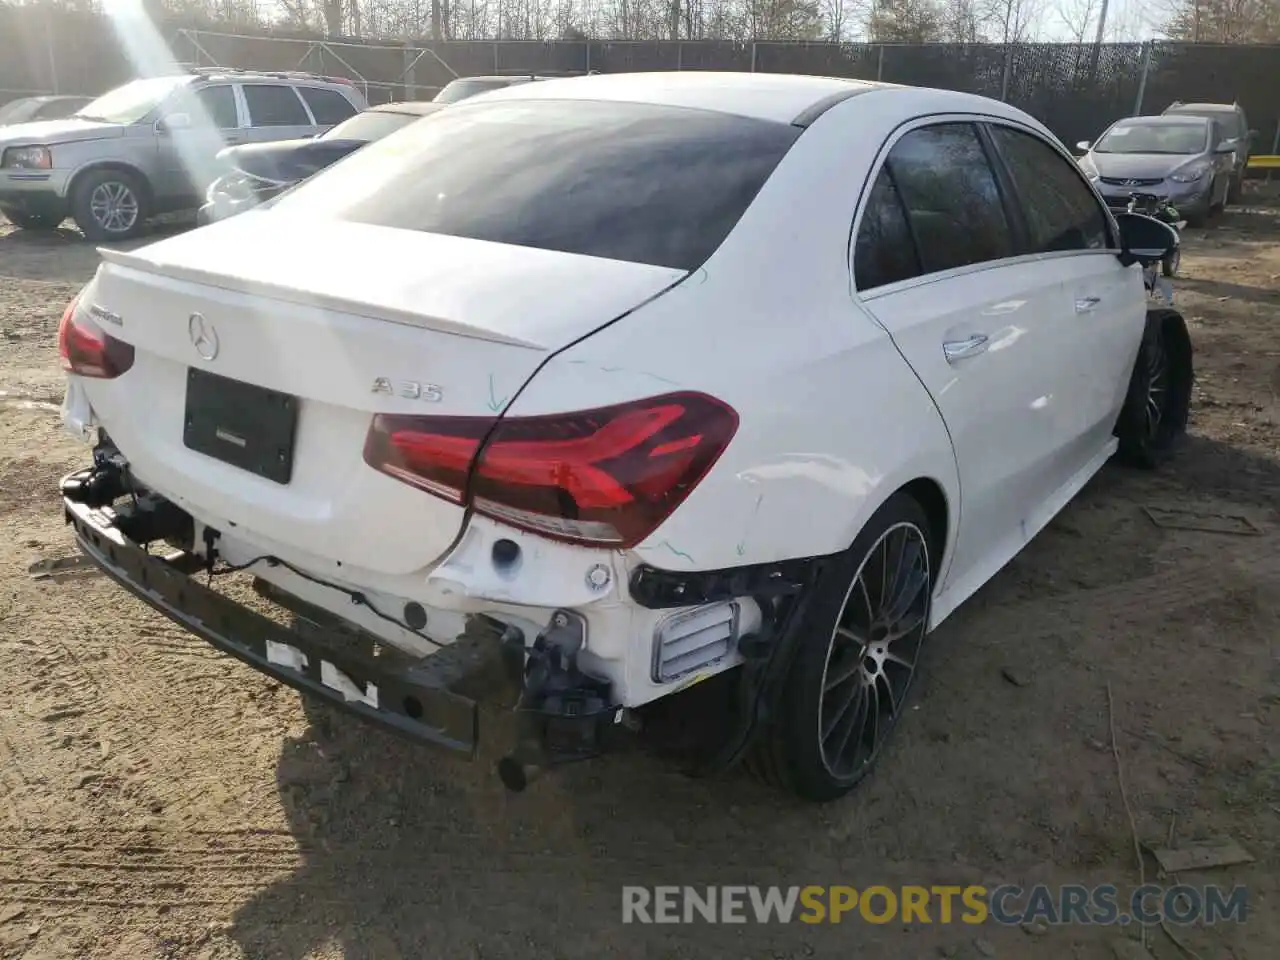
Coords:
203,337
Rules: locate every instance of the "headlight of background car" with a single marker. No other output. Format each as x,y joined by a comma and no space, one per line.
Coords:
1088,169
27,158
1190,174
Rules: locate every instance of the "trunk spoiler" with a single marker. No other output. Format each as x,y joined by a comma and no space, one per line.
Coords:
288,294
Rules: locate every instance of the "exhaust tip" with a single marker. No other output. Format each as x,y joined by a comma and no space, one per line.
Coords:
515,776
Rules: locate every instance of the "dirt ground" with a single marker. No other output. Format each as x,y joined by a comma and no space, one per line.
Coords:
160,800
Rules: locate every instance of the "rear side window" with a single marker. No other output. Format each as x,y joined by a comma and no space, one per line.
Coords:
884,251
274,105
625,181
951,195
1062,211
327,106
220,104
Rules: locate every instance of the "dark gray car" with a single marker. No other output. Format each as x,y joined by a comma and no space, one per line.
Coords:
1235,127
1183,158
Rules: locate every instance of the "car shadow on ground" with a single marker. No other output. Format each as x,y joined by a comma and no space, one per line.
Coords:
67,232
383,825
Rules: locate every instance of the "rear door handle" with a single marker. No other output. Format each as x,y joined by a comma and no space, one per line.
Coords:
955,350
1087,304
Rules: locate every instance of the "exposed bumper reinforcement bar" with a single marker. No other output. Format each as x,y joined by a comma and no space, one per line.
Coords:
408,695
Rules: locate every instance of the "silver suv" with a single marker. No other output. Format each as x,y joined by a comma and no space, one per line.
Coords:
150,146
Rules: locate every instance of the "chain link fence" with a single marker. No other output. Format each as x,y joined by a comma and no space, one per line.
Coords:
1075,89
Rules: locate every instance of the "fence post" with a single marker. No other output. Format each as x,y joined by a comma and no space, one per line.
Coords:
1008,67
48,45
409,75
495,56
1275,148
1142,83
679,54
753,56
588,54
880,64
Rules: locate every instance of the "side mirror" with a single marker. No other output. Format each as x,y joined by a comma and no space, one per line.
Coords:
1226,146
1083,145
1144,239
174,121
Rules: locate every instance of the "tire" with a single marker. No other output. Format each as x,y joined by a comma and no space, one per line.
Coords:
792,752
1154,417
109,204
31,221
1169,265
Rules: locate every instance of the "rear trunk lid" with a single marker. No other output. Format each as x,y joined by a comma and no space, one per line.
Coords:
349,320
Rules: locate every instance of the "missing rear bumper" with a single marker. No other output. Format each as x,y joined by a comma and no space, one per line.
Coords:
562,714
410,696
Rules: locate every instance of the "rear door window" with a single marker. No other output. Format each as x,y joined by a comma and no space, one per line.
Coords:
625,181
1061,209
952,197
219,102
327,106
884,251
274,105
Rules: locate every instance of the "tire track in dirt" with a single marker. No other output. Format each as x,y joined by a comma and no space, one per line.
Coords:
1132,603
121,869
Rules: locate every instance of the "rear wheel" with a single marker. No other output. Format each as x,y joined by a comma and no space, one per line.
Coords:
855,660
1156,408
30,221
109,205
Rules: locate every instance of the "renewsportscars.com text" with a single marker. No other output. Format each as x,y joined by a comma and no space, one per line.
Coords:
1007,905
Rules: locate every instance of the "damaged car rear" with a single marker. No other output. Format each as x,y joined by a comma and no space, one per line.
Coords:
581,390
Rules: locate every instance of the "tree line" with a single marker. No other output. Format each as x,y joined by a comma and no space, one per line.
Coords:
882,21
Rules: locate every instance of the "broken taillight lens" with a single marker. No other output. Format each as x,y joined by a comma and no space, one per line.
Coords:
88,351
602,477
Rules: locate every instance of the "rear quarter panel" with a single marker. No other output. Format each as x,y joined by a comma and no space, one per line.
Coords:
832,420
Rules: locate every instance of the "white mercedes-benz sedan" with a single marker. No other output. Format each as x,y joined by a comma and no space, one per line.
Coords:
591,389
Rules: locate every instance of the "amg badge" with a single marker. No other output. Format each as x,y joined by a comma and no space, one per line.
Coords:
409,389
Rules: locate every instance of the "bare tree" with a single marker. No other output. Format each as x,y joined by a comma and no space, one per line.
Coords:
1077,16
962,22
1226,21
1013,21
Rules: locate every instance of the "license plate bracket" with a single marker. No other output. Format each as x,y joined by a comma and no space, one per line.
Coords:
242,424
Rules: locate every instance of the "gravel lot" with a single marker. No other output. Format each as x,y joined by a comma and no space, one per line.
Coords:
160,800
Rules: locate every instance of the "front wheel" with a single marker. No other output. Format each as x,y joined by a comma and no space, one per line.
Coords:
855,659
109,205
1173,259
1157,406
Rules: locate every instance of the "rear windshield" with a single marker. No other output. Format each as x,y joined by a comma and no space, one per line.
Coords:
457,90
636,182
1230,120
368,126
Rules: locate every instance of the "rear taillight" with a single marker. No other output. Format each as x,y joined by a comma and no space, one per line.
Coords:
88,351
604,477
